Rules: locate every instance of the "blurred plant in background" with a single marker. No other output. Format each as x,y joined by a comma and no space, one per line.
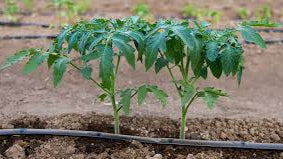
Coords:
263,13
243,13
142,10
29,4
70,10
11,10
201,13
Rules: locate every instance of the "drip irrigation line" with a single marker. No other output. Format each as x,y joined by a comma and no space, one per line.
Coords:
146,140
24,37
19,24
44,25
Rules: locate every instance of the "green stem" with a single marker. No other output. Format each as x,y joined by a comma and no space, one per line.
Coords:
93,80
184,117
113,101
174,80
183,125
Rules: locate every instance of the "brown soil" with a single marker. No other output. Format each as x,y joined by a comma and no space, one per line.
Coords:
265,130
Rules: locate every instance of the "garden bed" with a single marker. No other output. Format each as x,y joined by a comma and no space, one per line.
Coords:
267,131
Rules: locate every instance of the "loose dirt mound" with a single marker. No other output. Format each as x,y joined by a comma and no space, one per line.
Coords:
270,131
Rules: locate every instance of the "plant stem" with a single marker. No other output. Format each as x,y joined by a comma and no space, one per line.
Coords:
93,80
113,100
173,78
183,124
184,117
116,115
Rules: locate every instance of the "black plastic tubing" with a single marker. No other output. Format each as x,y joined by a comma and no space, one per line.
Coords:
147,140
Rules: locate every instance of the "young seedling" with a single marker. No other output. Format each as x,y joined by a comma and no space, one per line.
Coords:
64,9
193,51
263,13
11,10
29,4
243,13
142,10
201,13
103,40
83,6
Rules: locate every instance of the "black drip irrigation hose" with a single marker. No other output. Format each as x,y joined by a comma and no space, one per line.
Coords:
19,24
24,37
146,140
43,25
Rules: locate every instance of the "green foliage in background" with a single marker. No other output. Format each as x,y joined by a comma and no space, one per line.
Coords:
243,13
201,13
142,10
263,13
11,10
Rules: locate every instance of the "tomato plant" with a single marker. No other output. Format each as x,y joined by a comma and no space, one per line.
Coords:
193,51
189,49
105,40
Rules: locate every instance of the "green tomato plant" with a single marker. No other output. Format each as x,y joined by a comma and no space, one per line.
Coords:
192,52
188,49
103,40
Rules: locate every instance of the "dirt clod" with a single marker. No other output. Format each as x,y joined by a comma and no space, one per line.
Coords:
15,152
275,137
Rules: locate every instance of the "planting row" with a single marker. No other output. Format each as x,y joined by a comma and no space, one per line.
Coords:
190,47
70,8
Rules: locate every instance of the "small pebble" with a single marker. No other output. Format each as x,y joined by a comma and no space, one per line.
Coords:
275,137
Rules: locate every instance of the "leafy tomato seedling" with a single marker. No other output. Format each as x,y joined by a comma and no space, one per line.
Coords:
193,51
103,40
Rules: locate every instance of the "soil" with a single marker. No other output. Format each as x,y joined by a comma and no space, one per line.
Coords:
270,131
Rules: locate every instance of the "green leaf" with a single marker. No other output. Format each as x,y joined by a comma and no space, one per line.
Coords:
142,93
15,58
212,51
125,100
72,41
61,38
203,73
59,69
51,59
106,65
249,34
160,94
187,94
262,23
159,64
195,47
83,42
35,60
185,34
95,41
139,39
91,56
125,49
102,97
153,44
216,68
240,70
228,60
86,72
211,96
